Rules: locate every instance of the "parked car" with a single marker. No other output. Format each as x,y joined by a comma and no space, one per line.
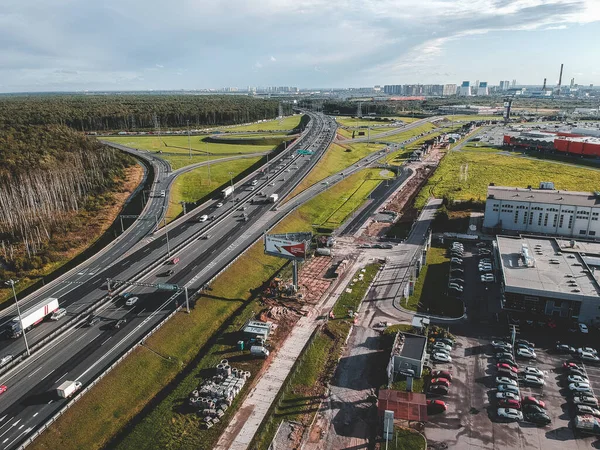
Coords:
438,389
591,350
533,371
507,367
510,414
584,410
446,341
530,408
487,278
508,373
510,361
506,395
577,379
583,328
481,244
526,353
504,355
455,287
538,418
509,403
564,348
459,281
440,381
583,399
589,357
506,380
436,406
441,345
575,371
571,365
441,357
485,268
442,374
523,341
580,387
456,261
501,344
532,380
457,270
530,400
508,388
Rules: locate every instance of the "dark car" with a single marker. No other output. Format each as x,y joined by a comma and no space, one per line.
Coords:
438,389
170,272
436,406
564,348
93,320
456,270
119,323
530,400
539,418
525,342
507,373
529,408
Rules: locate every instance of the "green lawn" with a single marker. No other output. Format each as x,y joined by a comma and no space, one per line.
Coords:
481,147
466,175
194,185
404,135
186,340
175,148
430,289
406,439
287,123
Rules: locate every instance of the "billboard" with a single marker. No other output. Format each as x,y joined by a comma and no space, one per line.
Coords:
288,245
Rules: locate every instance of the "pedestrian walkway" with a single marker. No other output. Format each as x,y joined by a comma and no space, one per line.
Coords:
245,423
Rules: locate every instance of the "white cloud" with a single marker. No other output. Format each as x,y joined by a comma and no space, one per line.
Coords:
258,65
273,59
160,66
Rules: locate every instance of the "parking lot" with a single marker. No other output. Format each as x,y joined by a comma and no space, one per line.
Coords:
471,419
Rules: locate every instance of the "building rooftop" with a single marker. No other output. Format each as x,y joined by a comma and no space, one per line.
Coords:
543,196
414,346
537,266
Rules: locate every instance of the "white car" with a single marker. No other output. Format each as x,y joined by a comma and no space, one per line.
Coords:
507,396
533,371
526,353
501,345
5,360
456,261
587,350
580,387
441,345
487,278
590,357
485,268
510,414
506,380
456,287
532,380
441,357
59,313
219,205
577,379
131,301
583,328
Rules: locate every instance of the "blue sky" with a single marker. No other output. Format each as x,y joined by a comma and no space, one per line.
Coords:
53,45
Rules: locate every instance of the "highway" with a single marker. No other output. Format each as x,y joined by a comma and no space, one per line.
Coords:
83,352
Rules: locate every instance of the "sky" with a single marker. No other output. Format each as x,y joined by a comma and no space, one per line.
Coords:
71,45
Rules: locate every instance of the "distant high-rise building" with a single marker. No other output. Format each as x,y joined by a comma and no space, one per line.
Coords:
465,89
393,89
572,83
506,85
501,86
449,89
514,83
474,88
482,88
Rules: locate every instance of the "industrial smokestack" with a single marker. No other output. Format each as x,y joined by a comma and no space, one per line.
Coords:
560,78
544,86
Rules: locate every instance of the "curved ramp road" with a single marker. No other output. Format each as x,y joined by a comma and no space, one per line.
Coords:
84,352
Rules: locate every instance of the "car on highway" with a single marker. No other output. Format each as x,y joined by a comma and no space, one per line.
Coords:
509,403
58,314
577,379
5,360
219,205
526,353
162,193
203,218
580,387
584,410
3,389
510,414
119,323
131,301
532,380
441,357
506,395
538,418
436,406
442,374
531,400
506,380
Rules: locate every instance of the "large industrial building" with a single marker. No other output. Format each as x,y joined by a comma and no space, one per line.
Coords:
545,210
548,277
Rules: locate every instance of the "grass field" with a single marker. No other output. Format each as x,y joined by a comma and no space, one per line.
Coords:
347,133
354,122
287,123
407,439
302,395
175,148
466,175
404,135
194,185
186,340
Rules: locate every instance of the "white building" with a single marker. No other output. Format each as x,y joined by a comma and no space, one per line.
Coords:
449,89
548,211
482,89
465,89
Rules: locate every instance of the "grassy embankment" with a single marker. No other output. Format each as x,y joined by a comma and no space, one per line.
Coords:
194,185
186,340
354,122
175,148
287,123
302,394
466,175
471,118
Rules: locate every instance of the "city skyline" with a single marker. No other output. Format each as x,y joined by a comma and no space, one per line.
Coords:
134,45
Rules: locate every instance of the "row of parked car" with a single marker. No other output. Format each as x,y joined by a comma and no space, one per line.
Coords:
580,391
440,349
511,405
456,281
587,354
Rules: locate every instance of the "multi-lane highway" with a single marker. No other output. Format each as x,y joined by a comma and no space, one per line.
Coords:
83,352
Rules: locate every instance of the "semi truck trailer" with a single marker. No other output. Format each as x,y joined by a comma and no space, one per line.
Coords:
32,317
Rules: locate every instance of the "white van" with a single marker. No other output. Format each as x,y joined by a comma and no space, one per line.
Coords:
58,314
203,218
162,193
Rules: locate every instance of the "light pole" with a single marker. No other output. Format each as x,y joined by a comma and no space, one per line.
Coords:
12,283
167,234
232,190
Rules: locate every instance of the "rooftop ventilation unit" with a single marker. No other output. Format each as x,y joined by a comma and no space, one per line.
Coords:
527,258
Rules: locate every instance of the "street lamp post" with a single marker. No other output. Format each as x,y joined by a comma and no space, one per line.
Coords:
12,284
232,190
167,234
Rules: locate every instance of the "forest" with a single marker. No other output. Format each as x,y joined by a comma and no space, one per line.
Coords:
97,112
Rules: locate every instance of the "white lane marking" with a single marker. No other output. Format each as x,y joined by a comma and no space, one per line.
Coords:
12,426
22,426
34,372
50,401
27,430
4,441
141,311
2,418
36,414
105,341
48,375
62,377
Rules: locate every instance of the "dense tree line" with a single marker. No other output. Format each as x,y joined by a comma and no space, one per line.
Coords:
130,112
47,174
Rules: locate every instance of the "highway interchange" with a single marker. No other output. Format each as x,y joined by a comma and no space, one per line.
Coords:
83,352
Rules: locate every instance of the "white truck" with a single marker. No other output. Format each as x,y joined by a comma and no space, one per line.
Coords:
259,350
227,191
32,317
273,198
68,388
